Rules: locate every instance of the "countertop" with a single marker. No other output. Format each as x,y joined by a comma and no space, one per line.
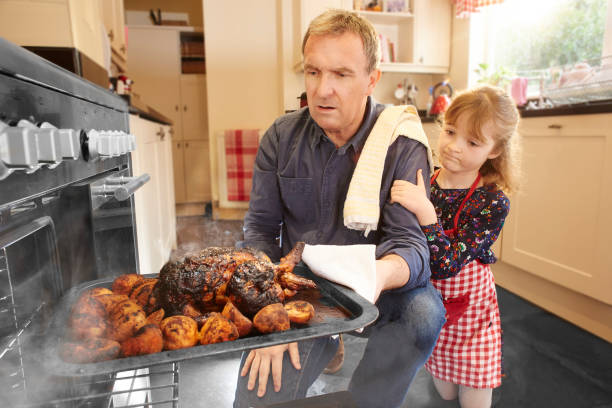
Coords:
138,107
587,108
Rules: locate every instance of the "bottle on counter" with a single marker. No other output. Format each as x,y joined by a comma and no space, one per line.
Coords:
429,101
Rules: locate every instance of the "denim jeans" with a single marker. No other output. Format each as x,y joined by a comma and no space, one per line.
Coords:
399,343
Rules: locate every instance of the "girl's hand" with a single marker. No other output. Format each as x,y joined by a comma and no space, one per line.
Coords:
414,199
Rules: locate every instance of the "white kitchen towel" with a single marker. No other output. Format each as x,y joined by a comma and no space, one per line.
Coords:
353,266
362,206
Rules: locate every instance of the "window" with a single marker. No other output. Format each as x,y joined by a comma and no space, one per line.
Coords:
541,40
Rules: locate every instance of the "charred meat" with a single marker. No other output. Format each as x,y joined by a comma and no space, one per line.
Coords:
208,279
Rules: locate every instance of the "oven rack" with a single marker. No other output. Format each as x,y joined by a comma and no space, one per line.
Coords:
156,386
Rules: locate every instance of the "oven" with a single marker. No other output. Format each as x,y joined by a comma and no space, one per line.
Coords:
66,217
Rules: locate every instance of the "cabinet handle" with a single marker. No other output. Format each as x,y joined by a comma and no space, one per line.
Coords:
111,35
186,144
161,133
185,108
176,108
178,145
554,126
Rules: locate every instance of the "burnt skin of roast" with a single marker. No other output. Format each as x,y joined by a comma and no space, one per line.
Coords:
207,279
253,286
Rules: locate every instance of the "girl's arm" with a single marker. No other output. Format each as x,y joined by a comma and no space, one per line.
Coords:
448,256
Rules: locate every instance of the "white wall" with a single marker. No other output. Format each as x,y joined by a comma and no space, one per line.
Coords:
244,79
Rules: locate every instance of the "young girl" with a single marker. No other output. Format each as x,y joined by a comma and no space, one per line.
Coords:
478,156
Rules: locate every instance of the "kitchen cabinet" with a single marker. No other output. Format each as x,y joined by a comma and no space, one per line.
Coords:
155,65
556,241
559,225
60,23
191,166
154,202
114,22
421,36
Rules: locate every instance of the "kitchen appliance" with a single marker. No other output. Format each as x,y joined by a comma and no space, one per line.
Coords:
442,94
66,217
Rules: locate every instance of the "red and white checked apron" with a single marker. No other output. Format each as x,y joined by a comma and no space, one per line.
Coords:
468,351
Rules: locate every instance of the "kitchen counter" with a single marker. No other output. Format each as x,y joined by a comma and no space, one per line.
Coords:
577,109
139,108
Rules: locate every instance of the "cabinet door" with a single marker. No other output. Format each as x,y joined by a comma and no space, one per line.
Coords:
179,171
197,171
112,11
146,199
88,29
194,110
154,63
432,31
166,190
559,224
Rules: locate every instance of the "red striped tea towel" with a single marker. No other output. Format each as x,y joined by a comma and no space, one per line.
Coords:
240,151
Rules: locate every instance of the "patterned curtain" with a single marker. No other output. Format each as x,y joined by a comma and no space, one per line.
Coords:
467,7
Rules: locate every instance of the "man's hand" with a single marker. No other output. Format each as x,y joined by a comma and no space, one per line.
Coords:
261,360
413,197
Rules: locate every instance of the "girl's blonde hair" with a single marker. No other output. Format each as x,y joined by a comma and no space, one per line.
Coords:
485,104
337,21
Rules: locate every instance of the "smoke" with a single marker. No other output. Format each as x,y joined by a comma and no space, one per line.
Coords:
197,233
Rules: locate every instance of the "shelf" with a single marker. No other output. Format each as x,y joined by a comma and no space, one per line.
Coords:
412,68
380,17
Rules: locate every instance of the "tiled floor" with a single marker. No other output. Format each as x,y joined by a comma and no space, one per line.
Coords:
548,362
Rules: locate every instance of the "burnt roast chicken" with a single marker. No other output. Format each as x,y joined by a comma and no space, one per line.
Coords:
208,279
215,295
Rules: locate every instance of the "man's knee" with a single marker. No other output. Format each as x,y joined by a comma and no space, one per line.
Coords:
424,316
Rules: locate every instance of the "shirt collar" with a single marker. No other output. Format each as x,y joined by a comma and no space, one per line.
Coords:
358,139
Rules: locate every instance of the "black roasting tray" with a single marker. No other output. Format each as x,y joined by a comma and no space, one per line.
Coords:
338,310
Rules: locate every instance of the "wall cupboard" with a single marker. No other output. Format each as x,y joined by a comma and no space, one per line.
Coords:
114,22
421,35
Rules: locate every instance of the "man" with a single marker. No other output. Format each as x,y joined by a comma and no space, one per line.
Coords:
301,177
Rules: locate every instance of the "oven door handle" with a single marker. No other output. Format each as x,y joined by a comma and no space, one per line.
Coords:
127,185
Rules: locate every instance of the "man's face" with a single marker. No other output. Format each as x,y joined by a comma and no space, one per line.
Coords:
337,83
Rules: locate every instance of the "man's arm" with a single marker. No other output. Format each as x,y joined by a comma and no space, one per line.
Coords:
264,216
401,234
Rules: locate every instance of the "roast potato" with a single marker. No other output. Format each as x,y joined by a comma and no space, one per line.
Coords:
148,339
125,318
111,300
218,328
243,323
89,350
87,326
124,284
299,311
141,294
272,318
191,311
179,332
88,304
156,317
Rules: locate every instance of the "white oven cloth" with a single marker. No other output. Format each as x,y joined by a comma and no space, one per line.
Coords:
353,266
